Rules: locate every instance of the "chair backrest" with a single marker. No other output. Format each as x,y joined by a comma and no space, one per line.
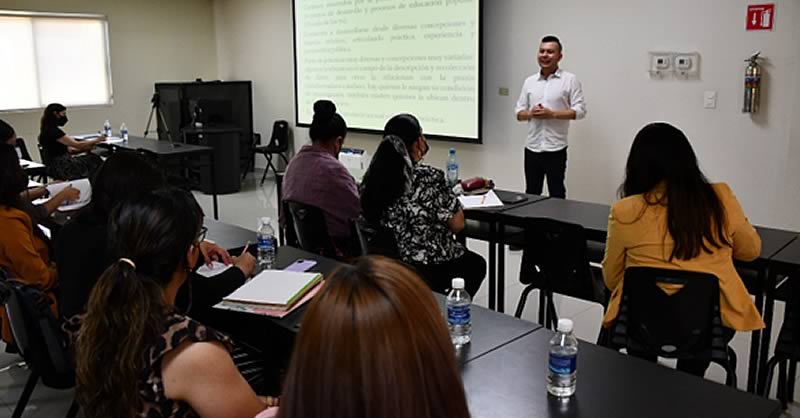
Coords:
788,342
46,160
559,251
37,334
306,229
372,240
671,313
22,150
280,136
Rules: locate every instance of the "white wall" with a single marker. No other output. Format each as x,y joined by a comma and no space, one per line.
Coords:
150,41
606,44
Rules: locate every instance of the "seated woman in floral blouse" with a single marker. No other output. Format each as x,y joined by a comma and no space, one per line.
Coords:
414,201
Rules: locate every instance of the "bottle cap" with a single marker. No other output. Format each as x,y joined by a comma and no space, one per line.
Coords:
452,150
564,325
266,220
458,283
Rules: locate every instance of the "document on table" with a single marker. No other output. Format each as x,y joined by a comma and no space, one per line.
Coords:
26,164
216,268
488,200
81,184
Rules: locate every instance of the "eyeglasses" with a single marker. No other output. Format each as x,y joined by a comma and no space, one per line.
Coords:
202,235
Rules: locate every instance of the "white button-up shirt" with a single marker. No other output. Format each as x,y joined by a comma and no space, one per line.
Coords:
560,91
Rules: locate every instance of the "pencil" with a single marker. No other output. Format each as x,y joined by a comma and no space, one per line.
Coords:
245,248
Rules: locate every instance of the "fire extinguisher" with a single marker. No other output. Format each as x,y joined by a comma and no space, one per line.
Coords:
752,84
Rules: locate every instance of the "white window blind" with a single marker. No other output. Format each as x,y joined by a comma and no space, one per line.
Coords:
53,58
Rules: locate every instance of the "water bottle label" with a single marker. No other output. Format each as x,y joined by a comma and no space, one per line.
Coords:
563,364
458,315
265,244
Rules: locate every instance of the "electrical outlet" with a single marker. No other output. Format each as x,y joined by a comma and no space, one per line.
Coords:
683,62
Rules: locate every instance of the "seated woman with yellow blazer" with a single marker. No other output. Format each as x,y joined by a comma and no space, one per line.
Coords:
671,217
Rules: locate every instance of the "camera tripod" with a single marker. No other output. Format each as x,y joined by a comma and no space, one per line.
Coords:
156,109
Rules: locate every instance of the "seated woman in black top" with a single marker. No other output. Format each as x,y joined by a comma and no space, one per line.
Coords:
414,201
82,244
60,147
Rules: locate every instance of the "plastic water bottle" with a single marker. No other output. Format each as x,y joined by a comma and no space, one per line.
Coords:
459,319
266,245
107,129
563,362
123,132
452,168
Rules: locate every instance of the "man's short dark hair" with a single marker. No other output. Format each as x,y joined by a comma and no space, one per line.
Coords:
553,38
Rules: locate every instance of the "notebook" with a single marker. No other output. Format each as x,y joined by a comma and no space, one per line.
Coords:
277,289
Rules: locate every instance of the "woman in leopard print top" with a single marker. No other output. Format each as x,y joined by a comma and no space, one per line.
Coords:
135,356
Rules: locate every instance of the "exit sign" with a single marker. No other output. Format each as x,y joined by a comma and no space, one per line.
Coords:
760,16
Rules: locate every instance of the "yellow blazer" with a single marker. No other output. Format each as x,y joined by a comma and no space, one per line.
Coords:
638,236
26,257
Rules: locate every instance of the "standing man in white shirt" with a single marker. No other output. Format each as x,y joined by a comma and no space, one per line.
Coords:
548,101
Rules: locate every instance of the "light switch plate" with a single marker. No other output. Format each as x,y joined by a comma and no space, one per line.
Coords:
710,99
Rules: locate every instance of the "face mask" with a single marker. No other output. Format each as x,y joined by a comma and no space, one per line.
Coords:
62,120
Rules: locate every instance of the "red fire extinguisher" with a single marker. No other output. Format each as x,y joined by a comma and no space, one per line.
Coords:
752,84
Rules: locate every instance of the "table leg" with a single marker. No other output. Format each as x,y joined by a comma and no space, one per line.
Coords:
214,184
769,306
492,264
755,336
501,269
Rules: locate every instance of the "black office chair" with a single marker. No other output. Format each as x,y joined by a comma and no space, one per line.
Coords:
22,152
787,349
22,149
278,144
555,261
372,240
306,229
684,325
40,341
47,161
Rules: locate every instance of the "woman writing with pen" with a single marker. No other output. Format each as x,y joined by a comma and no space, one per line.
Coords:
24,249
38,213
414,202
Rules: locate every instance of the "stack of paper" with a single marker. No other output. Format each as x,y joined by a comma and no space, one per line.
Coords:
273,293
81,184
488,200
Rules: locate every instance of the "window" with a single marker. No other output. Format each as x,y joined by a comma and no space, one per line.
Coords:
50,58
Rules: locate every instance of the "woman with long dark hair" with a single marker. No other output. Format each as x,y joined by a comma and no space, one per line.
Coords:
670,216
69,158
373,344
315,176
82,243
41,211
24,249
136,355
414,202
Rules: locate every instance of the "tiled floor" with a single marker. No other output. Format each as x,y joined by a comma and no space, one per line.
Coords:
244,209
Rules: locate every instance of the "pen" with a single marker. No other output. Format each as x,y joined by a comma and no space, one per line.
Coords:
483,198
245,248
